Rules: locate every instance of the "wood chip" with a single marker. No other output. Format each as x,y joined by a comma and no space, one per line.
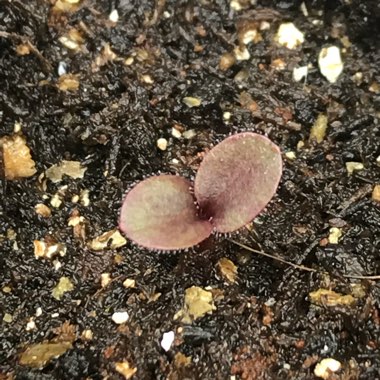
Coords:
319,128
125,369
109,240
48,249
17,160
227,60
68,82
42,210
326,297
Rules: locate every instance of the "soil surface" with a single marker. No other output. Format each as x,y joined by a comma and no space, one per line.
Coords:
81,82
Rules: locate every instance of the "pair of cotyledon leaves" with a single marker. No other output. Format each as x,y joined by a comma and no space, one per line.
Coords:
235,181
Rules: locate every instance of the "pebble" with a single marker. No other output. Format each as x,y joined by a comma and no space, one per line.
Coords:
241,53
162,143
290,155
31,325
68,43
289,36
192,102
120,317
85,198
326,367
62,68
300,72
376,193
7,318
176,133
227,116
330,63
335,235
147,79
249,36
129,283
105,279
189,134
354,166
114,16
235,5
87,334
167,340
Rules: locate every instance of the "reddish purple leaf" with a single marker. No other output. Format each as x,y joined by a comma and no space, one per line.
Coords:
237,179
159,213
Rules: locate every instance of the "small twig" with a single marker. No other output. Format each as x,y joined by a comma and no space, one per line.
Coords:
18,38
301,267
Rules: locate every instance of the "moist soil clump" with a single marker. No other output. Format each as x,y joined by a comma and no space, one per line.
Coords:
87,88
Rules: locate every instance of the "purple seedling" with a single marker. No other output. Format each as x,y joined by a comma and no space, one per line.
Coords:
235,181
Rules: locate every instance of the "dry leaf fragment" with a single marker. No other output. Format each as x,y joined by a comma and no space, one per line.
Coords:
181,360
228,269
198,302
18,162
72,169
64,285
38,355
66,332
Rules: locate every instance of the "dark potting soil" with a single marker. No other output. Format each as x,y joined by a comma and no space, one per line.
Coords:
133,75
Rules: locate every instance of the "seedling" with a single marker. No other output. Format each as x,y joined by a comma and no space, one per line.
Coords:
235,181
